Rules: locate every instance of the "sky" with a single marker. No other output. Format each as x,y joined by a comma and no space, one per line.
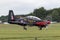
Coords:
22,7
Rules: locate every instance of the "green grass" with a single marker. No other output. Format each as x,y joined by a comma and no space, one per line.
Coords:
16,32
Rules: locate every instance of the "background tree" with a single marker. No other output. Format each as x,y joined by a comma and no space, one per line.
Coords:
55,16
41,12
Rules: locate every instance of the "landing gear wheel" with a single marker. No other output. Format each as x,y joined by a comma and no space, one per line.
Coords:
25,28
41,27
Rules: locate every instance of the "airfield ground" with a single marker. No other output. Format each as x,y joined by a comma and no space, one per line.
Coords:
16,32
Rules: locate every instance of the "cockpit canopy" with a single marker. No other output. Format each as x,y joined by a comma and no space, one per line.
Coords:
33,18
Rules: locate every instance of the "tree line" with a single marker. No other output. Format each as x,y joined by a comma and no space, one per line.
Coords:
52,14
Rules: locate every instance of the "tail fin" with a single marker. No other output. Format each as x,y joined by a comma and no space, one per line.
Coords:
11,16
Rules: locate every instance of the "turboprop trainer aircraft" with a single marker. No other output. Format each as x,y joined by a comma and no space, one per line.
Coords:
28,20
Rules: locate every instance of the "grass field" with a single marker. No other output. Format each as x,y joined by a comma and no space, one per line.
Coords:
16,32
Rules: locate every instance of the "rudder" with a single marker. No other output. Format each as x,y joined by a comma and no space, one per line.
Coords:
11,16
